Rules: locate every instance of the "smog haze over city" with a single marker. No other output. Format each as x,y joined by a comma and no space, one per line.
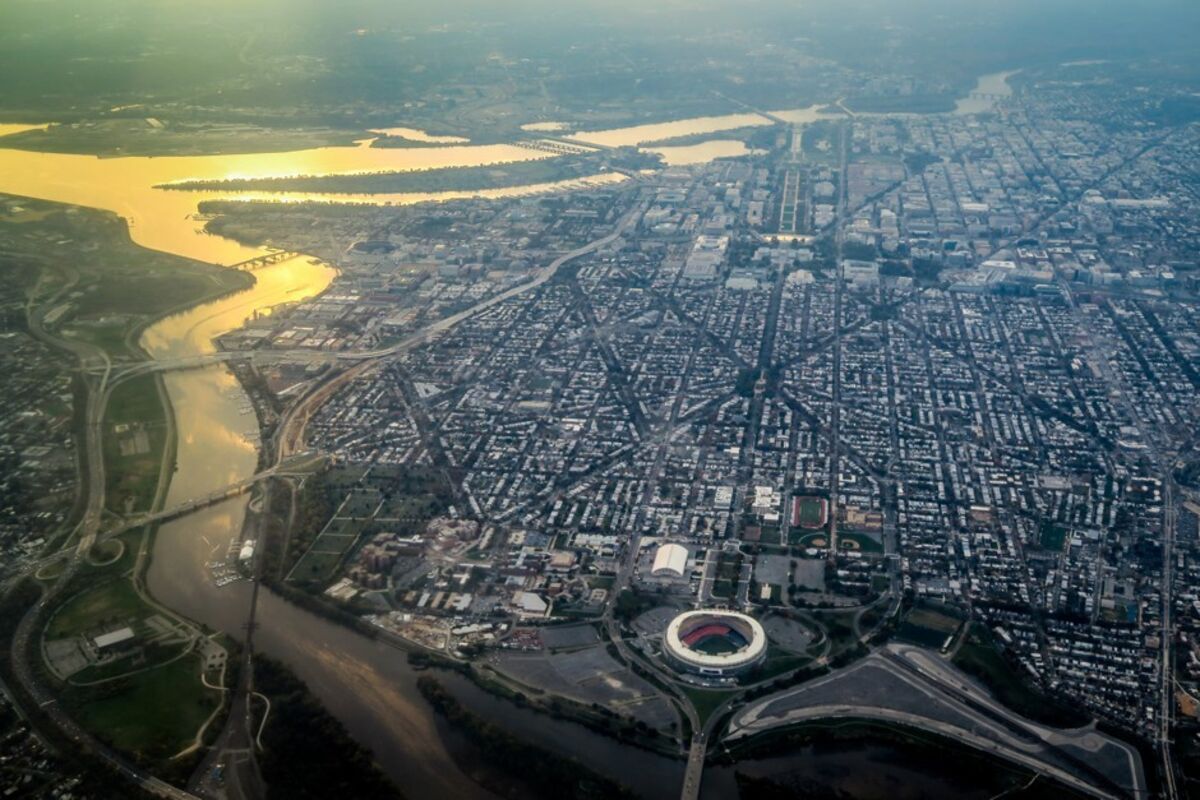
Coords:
599,399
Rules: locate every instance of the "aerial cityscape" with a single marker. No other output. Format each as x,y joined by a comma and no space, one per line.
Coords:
702,400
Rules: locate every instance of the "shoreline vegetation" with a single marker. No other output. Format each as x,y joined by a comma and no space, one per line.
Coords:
902,104
121,137
399,141
443,179
598,719
300,731
755,137
122,289
533,772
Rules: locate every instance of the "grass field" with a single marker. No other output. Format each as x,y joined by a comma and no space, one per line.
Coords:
715,646
978,657
135,439
811,512
129,543
1052,537
321,560
852,540
839,626
729,570
928,626
153,715
110,602
705,701
817,540
334,512
104,552
777,662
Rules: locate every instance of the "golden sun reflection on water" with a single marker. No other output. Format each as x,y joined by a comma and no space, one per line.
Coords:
165,220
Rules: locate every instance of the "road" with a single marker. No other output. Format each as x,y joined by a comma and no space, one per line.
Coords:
1166,662
290,434
835,439
97,369
230,770
974,718
695,768
1098,349
164,515
22,652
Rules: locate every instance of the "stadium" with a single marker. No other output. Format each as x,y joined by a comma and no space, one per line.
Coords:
714,643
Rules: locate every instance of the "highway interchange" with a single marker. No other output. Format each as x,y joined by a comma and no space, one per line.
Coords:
924,673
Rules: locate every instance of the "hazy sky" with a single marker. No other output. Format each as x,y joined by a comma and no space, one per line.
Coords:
75,48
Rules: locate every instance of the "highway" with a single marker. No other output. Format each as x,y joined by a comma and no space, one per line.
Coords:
99,388
1166,673
984,723
695,768
290,434
1097,353
168,514
835,439
124,372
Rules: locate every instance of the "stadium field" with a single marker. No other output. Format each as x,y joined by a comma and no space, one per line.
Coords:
810,512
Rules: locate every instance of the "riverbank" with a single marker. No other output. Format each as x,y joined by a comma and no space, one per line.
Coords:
121,700
868,760
121,137
531,771
71,755
298,730
448,179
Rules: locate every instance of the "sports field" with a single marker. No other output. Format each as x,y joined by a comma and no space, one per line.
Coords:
810,512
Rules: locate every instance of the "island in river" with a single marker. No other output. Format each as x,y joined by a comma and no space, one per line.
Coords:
366,683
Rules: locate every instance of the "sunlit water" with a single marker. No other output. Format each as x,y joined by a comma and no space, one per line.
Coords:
648,134
658,131
417,135
702,153
367,685
994,84
162,219
9,128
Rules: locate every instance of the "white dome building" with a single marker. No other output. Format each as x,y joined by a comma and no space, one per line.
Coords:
670,561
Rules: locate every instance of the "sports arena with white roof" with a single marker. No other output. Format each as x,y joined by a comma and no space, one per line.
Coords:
670,561
714,642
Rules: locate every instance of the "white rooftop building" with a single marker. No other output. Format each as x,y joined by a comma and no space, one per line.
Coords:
671,559
113,638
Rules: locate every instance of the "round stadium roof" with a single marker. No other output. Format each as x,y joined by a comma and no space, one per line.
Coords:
715,640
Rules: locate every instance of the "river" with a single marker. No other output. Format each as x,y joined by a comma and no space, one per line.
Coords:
647,135
983,97
367,685
162,220
650,133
